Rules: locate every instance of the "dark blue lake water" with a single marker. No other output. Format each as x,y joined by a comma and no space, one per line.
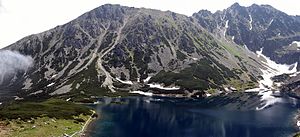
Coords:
166,117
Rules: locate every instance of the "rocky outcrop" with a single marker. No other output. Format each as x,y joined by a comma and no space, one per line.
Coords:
292,86
256,27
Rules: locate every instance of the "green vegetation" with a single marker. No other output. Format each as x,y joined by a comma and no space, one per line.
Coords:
211,91
52,117
53,108
42,127
297,135
241,85
231,50
200,76
86,86
85,79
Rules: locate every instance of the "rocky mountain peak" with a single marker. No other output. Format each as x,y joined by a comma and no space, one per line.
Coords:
235,5
120,49
256,26
204,13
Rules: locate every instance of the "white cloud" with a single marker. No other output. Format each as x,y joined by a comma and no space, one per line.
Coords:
24,17
12,62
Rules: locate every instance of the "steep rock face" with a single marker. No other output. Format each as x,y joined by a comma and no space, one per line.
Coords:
115,48
256,27
292,86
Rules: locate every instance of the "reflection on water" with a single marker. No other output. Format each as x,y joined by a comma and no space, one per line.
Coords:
165,117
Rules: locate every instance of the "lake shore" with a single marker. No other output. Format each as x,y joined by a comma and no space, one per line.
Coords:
86,126
87,129
297,123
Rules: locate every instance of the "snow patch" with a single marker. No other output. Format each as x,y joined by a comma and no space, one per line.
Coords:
278,34
295,74
147,79
37,92
258,53
97,102
273,69
226,89
250,22
142,93
195,59
125,82
271,22
18,98
297,44
27,84
226,26
278,84
245,46
53,76
254,90
51,84
77,85
161,87
265,85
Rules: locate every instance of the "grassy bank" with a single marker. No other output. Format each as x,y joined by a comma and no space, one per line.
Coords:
47,118
41,127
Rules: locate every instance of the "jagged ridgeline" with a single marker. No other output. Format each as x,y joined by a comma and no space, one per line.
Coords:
256,27
116,48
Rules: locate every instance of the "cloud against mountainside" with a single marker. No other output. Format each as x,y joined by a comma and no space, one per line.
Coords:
12,62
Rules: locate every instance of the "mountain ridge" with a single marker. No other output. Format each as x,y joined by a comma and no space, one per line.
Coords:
267,28
117,48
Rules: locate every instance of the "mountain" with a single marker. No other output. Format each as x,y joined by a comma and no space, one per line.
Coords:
115,49
257,27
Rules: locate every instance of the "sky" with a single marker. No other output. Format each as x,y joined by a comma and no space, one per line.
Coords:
20,18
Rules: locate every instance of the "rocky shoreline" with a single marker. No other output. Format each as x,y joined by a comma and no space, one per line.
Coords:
297,123
89,124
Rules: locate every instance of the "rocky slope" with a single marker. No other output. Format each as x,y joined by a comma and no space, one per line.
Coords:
291,84
120,49
257,27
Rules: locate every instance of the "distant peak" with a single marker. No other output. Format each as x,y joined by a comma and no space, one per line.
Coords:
254,5
267,6
262,6
236,4
110,5
205,12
